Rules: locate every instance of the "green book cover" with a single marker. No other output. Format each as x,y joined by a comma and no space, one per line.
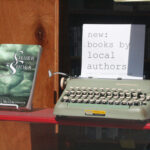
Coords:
18,68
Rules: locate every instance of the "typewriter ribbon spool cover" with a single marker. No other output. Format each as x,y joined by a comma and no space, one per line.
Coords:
18,68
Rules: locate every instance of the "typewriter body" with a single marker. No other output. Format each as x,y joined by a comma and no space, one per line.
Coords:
105,98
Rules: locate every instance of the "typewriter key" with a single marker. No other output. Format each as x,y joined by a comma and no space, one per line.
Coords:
111,101
92,101
85,100
130,102
79,100
124,102
148,98
117,102
144,103
78,92
73,100
98,101
104,101
136,102
84,96
65,98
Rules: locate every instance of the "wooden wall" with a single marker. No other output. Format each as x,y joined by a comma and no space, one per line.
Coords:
32,22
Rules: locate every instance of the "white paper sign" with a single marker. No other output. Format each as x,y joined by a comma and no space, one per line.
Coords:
113,51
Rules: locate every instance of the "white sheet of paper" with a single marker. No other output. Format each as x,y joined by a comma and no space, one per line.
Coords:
113,51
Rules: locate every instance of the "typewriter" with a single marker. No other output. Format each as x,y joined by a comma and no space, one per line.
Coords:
105,98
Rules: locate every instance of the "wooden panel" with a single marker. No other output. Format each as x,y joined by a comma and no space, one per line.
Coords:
34,22
31,22
15,136
43,137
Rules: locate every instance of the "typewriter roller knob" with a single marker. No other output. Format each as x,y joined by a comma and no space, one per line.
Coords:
63,83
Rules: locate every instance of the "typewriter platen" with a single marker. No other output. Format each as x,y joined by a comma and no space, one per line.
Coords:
105,98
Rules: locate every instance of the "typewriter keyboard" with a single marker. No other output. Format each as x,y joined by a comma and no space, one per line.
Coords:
105,96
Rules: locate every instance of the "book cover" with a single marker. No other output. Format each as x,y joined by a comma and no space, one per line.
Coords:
18,68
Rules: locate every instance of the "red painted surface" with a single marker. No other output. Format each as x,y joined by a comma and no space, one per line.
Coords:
46,116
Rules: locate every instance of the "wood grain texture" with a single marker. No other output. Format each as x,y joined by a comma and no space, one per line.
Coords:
31,22
43,137
34,22
15,136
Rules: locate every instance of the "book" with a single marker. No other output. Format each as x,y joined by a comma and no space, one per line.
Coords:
18,69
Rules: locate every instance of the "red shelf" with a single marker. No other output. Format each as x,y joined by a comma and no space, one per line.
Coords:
46,116
43,116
